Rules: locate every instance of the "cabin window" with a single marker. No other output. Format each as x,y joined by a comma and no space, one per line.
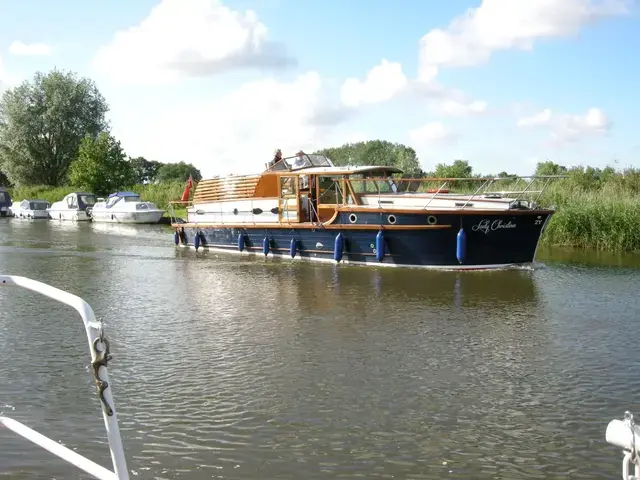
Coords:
373,183
330,190
71,202
132,198
287,186
3,197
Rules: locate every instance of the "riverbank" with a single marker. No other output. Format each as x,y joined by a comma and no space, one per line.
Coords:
603,218
160,194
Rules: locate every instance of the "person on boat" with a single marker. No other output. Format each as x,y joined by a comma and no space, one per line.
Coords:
299,160
277,156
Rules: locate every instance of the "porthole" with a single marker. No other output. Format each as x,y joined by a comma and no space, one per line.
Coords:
353,218
431,220
391,219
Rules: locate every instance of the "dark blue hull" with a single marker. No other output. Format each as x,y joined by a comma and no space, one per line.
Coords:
468,241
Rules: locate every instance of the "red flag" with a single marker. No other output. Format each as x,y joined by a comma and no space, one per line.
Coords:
187,189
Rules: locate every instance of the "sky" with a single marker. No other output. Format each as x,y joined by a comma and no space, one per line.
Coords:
503,84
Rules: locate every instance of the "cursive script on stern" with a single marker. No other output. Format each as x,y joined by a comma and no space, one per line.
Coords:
486,226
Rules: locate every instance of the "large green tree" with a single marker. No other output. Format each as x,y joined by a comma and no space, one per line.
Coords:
177,172
145,170
42,123
375,152
102,167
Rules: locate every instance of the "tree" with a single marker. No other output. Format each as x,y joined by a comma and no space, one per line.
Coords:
4,181
102,166
177,172
458,169
42,124
145,170
550,168
375,152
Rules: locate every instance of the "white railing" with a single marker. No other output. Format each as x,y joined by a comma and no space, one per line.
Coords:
625,434
99,348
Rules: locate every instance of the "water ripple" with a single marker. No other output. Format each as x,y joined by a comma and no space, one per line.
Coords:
252,368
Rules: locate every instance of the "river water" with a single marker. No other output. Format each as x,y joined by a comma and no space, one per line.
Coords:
236,368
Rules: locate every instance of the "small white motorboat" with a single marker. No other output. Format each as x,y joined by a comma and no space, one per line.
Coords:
30,209
125,207
75,206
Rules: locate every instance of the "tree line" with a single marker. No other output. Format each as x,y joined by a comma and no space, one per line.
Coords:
54,132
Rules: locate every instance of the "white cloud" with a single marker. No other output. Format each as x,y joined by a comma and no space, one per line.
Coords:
447,101
20,48
183,38
430,133
495,25
537,119
569,128
460,109
382,83
237,132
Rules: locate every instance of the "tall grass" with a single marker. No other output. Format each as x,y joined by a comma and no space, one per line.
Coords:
600,217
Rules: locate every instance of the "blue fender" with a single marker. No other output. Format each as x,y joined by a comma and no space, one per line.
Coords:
338,248
380,246
461,245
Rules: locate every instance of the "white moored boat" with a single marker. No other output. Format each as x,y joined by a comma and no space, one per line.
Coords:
30,209
76,206
125,207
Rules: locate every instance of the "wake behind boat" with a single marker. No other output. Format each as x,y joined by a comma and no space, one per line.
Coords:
125,207
304,207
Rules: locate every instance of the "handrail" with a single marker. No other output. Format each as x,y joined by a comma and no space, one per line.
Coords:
424,186
99,348
625,434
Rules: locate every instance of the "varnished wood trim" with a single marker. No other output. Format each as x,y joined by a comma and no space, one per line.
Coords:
332,219
310,226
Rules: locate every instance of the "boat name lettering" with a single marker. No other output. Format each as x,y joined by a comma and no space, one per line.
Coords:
485,226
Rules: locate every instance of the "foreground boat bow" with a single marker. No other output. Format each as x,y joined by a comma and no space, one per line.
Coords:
99,348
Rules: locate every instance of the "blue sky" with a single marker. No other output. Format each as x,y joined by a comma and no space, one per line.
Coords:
502,87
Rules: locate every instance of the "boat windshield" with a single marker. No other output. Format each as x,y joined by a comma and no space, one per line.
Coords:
301,161
88,200
38,205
